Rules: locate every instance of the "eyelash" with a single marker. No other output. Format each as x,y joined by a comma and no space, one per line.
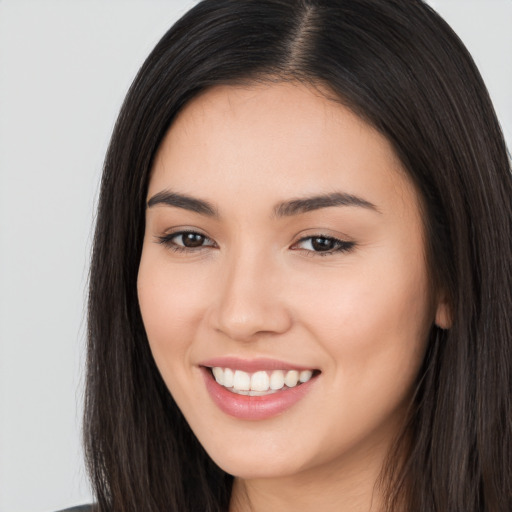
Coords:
340,246
167,241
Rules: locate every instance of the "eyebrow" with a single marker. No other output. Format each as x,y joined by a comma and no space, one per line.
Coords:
308,204
284,209
183,201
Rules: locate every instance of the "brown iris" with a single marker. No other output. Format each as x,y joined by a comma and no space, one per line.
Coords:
323,244
192,239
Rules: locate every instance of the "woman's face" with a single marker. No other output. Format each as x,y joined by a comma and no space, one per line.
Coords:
284,241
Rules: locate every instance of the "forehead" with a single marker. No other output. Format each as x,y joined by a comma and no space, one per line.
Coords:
275,141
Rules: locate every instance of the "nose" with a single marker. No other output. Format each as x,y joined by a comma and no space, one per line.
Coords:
250,299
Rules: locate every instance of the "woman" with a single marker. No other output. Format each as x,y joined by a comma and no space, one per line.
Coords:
301,277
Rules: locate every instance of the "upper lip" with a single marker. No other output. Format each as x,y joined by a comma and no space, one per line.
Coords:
252,365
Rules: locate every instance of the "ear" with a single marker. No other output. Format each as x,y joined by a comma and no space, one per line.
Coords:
443,318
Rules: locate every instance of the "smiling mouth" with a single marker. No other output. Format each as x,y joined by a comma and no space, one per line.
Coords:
262,382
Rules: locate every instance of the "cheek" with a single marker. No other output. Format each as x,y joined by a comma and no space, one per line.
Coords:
375,332
171,306
373,321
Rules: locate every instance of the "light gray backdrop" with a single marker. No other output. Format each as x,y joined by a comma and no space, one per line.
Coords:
64,69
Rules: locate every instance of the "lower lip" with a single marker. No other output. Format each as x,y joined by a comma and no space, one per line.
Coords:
254,407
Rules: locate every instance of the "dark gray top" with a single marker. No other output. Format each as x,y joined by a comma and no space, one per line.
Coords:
81,508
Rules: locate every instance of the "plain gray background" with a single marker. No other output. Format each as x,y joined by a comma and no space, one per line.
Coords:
64,69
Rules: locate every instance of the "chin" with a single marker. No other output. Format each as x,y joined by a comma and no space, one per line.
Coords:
249,461
248,469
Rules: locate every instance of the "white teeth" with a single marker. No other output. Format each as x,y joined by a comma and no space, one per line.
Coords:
305,375
242,381
260,382
229,377
219,375
277,379
291,379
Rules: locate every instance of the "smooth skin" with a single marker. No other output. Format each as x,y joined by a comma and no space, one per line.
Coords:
342,289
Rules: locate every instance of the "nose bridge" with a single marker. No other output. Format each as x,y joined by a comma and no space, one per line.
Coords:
249,301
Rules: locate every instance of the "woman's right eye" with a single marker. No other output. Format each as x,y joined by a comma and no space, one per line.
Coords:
186,241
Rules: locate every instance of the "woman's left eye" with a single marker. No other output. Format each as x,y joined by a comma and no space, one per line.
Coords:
186,241
323,245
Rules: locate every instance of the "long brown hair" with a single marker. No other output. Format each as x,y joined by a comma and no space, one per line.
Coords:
399,66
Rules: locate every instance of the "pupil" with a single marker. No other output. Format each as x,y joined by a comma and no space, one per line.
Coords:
322,244
193,240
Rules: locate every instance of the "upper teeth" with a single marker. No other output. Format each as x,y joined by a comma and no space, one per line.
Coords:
259,382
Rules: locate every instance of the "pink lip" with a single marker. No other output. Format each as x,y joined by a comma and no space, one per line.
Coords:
254,407
252,365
